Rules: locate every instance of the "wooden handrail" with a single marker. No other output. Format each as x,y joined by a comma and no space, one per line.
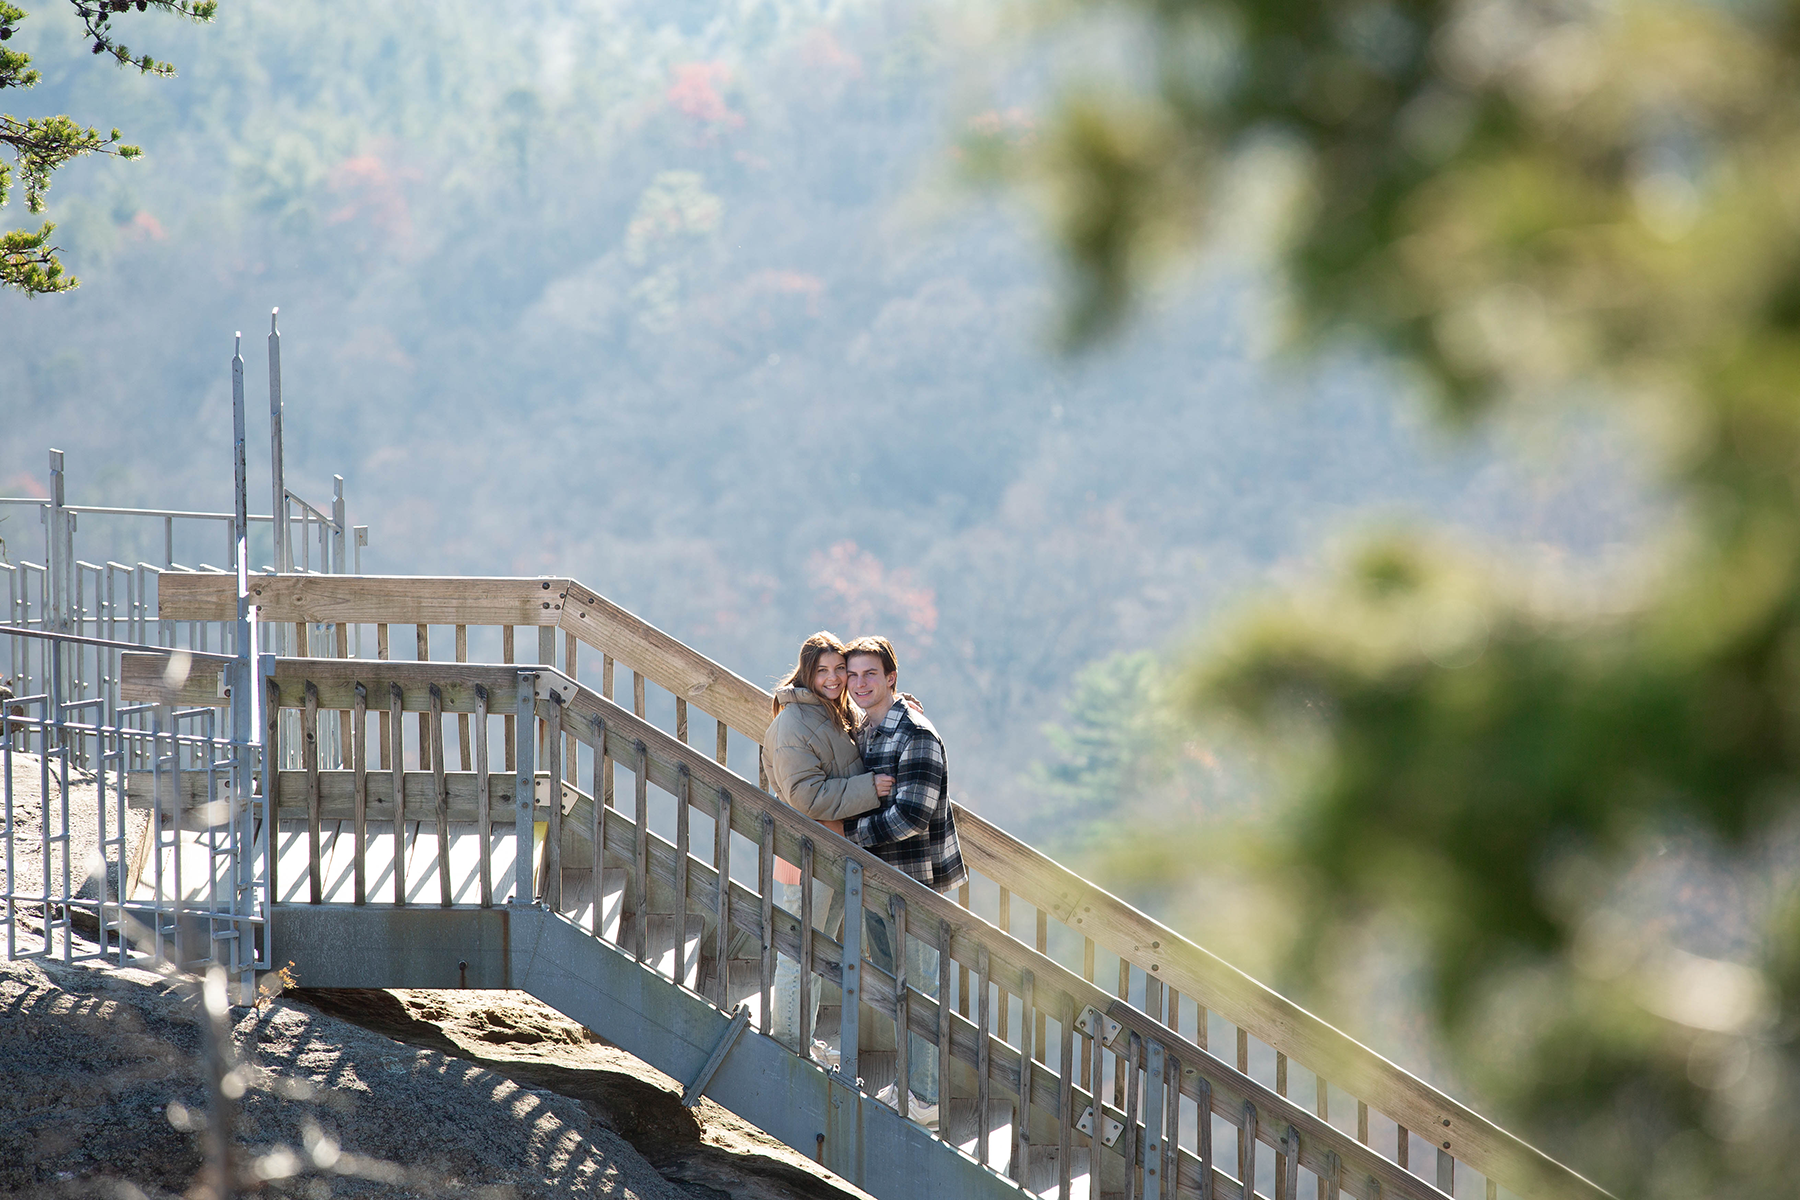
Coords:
971,939
1156,949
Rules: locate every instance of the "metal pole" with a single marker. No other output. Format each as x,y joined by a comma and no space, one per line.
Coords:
337,525
278,477
243,694
58,564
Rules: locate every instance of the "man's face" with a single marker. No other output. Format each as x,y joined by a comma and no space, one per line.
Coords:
870,686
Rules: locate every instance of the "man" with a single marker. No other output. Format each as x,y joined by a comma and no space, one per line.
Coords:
913,829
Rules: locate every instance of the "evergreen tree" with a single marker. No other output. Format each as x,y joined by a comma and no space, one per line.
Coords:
40,145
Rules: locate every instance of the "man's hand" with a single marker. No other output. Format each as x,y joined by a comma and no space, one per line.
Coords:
884,784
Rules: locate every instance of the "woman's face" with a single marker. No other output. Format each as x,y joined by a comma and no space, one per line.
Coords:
829,676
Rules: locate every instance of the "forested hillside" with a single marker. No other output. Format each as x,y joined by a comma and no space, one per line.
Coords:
687,301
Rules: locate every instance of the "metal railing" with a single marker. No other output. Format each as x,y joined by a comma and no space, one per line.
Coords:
76,870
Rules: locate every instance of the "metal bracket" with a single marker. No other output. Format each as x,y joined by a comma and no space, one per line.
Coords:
739,1021
1113,1128
1097,1024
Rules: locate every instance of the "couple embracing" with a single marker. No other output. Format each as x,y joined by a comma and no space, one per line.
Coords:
849,750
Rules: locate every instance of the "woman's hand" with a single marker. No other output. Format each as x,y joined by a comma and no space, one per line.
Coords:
836,827
883,785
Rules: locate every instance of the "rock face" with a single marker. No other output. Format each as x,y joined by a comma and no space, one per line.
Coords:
102,1094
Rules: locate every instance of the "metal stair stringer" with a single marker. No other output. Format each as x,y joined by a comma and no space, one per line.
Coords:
556,961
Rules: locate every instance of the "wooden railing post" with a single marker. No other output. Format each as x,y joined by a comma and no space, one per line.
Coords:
359,758
524,786
397,770
484,801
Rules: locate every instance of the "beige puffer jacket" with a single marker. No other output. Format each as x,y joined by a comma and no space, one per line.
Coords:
812,764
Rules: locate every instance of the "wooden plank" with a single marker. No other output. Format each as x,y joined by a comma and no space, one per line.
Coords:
641,879
722,916
1065,1106
462,719
597,824
684,672
440,795
359,764
427,752
983,1057
553,830
943,1031
386,732
364,599
343,651
806,945
484,801
902,1007
397,776
273,792
1021,1161
337,794
309,749
765,886
180,680
508,736
684,783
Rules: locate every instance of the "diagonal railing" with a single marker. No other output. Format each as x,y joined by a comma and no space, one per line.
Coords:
1174,1001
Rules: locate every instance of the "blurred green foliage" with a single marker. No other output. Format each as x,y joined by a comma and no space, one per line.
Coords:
1533,203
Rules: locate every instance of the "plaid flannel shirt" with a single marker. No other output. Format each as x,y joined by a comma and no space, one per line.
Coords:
913,828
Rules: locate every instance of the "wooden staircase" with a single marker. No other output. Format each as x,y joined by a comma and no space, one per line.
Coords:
1086,1050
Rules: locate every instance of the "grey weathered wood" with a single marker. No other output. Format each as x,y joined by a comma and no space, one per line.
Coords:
681,719
1021,1164
1446,1172
359,760
525,774
640,897
902,1006
722,914
484,801
597,819
508,734
272,763
1003,1018
765,887
553,830
1247,1148
1131,1060
724,732
850,971
806,944
983,1056
397,769
637,694
462,719
1203,1101
385,733
684,783
1403,1148
441,794
1065,1105
943,1031
309,746
422,635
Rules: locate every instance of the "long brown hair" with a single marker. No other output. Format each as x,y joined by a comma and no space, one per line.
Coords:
811,650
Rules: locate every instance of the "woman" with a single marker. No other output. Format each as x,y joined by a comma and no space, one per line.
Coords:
810,755
809,748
